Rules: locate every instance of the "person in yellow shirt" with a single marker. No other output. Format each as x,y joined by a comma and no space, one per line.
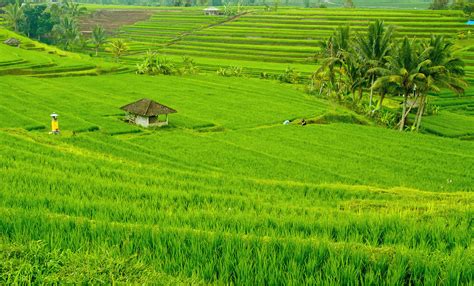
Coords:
54,124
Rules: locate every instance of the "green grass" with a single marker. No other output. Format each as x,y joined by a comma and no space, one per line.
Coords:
226,194
252,202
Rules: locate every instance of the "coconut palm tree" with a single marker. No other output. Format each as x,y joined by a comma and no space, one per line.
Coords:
334,51
351,70
404,72
14,15
98,38
373,48
444,71
73,9
67,32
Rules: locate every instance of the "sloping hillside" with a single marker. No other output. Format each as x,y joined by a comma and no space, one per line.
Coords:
226,193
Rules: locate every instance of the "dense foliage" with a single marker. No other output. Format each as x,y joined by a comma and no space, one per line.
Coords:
55,23
374,62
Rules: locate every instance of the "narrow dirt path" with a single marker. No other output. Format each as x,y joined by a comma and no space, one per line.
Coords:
225,21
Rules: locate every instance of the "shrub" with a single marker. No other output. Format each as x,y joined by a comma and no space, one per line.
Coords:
230,71
289,76
265,75
154,65
189,67
431,109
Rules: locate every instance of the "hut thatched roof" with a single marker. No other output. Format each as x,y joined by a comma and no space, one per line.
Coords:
209,9
147,107
12,42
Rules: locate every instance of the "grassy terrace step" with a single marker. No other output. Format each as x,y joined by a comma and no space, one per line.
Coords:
4,64
436,19
225,55
305,33
356,24
365,12
238,49
230,47
293,30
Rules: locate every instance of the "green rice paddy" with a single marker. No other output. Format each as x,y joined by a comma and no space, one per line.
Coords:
226,194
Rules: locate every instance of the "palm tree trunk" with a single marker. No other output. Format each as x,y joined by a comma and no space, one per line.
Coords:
360,93
421,110
402,120
382,97
371,92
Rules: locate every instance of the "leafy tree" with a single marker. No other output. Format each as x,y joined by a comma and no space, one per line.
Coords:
276,3
118,48
14,15
439,4
66,33
98,38
4,3
45,26
37,22
468,9
349,4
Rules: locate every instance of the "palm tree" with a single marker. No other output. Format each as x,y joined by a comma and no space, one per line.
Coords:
14,15
353,77
444,70
67,32
98,38
73,9
373,48
118,48
334,51
404,73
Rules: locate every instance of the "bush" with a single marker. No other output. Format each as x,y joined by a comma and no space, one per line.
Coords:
265,75
431,109
189,67
230,71
154,65
289,76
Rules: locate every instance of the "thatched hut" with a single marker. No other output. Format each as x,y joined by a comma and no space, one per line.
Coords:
212,11
146,112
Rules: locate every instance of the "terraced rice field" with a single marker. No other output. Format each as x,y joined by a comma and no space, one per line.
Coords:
226,194
287,37
25,60
271,41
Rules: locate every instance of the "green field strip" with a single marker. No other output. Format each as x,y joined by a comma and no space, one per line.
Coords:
157,240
